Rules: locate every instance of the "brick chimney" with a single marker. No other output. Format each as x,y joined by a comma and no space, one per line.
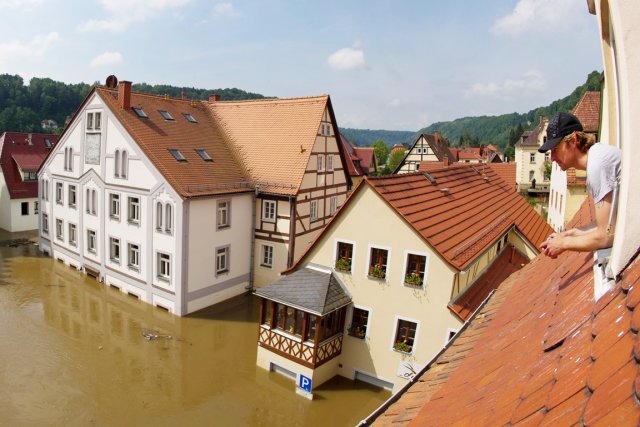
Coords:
445,161
214,98
437,136
124,95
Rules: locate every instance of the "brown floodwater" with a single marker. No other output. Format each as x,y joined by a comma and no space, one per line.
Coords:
74,352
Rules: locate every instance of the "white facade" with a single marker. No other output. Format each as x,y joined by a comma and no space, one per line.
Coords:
107,210
17,214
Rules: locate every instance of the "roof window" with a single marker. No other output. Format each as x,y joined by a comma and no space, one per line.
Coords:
205,156
165,115
47,143
140,112
189,118
177,154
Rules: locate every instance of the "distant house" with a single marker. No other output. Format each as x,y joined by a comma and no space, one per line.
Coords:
48,124
21,155
530,164
376,299
568,189
479,154
179,202
360,161
426,148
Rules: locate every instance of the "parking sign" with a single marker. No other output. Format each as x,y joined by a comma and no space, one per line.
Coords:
304,383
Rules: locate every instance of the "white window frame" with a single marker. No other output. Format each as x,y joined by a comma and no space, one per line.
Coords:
333,204
73,196
313,210
114,205
22,209
330,162
114,244
320,162
388,266
426,269
159,215
223,211
59,229
133,256
266,256
394,332
73,234
59,193
163,267
133,209
336,242
91,241
532,158
222,259
36,207
349,321
269,210
168,218
45,223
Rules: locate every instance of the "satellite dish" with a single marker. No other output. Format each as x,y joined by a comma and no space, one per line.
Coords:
112,81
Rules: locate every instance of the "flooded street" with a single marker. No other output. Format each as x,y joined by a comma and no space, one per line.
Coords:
76,353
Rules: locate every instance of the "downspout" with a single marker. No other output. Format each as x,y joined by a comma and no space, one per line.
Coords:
253,250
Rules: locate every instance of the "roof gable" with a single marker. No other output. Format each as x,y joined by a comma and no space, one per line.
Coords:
587,110
156,136
273,137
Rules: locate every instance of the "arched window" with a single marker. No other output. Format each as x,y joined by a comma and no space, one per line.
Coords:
124,170
168,219
88,200
159,216
93,202
117,164
70,167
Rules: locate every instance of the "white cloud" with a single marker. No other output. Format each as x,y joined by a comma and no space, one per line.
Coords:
224,9
538,15
346,59
127,12
35,48
107,59
531,81
395,102
18,4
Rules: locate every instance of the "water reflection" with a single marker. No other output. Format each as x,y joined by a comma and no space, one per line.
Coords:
75,352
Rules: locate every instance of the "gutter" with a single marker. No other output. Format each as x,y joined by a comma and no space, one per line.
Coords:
395,397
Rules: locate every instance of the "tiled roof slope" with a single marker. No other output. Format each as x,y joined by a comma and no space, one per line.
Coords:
311,290
463,211
155,136
587,110
549,354
530,138
16,151
273,137
508,262
440,146
366,156
354,162
506,171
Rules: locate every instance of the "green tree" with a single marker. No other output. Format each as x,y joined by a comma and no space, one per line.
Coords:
382,151
509,153
394,160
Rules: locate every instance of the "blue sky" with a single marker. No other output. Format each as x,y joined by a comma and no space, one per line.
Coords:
397,65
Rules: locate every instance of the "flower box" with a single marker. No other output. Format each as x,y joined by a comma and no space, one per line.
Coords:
402,347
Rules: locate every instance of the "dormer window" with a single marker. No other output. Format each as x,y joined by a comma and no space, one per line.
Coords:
177,155
165,115
140,112
204,155
189,118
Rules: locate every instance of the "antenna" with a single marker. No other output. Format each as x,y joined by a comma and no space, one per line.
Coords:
112,82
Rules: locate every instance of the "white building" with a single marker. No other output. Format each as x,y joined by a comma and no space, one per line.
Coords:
530,164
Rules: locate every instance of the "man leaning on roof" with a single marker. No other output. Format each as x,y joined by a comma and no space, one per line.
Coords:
572,148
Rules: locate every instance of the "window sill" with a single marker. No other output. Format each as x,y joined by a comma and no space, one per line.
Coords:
133,222
414,285
164,279
114,217
403,352
114,261
266,266
223,227
134,268
377,279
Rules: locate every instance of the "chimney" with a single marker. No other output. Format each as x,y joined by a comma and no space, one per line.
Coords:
29,139
124,95
437,136
214,98
445,161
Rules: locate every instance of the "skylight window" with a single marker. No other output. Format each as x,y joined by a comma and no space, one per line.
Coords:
165,115
47,143
177,154
140,112
189,118
205,156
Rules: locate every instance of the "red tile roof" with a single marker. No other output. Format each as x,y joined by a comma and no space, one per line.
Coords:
587,110
16,153
508,262
367,158
530,138
155,136
460,210
506,171
541,351
360,160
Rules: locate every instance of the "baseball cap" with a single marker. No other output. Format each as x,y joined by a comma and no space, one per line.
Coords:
561,125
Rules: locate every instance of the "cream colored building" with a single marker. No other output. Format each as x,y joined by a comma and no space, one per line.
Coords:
400,285
430,148
530,164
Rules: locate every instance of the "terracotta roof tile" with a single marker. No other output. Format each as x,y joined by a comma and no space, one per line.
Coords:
155,136
506,171
507,372
587,110
463,211
367,158
260,128
16,152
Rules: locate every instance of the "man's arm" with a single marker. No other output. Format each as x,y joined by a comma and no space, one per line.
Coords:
584,240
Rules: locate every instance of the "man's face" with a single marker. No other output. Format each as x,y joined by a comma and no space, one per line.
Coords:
561,154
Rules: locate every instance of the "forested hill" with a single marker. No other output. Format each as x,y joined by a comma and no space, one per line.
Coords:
499,130
24,107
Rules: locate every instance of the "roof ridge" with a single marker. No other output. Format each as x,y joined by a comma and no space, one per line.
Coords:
258,100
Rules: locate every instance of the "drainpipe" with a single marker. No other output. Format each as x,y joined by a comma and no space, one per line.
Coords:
292,231
253,240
